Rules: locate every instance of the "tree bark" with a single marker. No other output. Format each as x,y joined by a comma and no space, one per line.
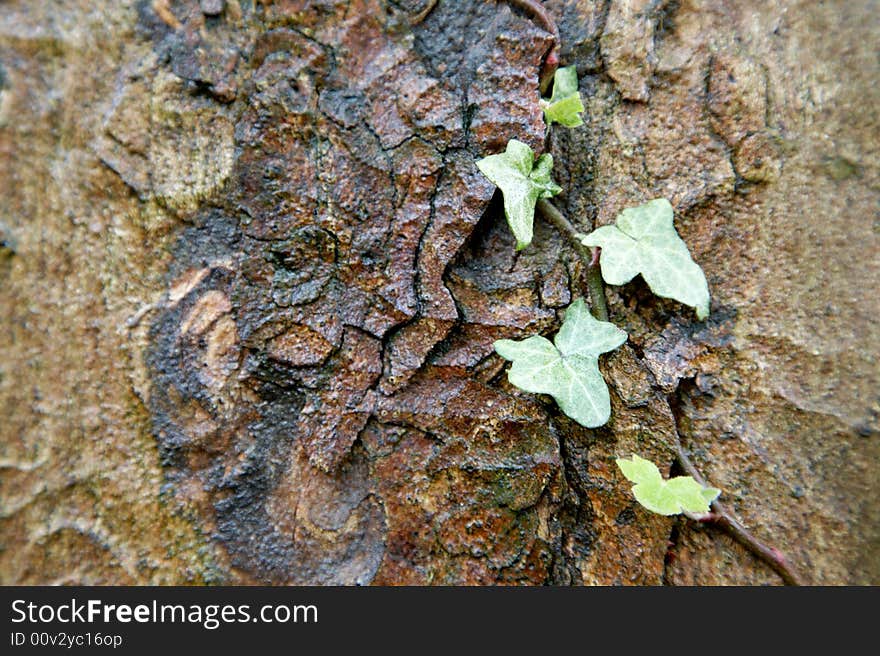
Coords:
250,278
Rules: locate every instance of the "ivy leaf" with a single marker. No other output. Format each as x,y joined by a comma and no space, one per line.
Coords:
644,241
679,494
523,182
564,106
568,370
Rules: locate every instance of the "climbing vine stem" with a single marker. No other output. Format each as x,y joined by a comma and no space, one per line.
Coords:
595,284
724,519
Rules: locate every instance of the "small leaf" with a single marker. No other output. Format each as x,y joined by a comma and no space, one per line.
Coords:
568,371
564,106
523,182
677,495
644,241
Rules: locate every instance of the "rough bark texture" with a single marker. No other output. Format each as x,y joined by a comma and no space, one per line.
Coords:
250,279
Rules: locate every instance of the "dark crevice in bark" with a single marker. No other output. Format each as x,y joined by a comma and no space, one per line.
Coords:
671,546
575,516
664,18
739,183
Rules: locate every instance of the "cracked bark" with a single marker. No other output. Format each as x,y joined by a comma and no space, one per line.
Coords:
251,280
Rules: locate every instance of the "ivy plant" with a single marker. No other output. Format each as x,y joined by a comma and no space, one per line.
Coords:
522,181
681,494
567,368
643,241
564,105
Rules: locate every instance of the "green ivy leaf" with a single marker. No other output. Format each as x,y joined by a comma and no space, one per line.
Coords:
644,241
564,106
679,494
568,371
523,182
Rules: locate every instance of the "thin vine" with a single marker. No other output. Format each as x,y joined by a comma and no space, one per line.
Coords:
725,520
590,258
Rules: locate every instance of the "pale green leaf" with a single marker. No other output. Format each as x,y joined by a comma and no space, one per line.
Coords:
564,106
644,241
710,494
677,495
584,335
568,370
535,362
522,181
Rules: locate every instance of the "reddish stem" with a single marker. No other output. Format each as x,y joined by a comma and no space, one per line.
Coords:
724,519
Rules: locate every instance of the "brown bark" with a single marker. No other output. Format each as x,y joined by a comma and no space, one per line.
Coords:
250,279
